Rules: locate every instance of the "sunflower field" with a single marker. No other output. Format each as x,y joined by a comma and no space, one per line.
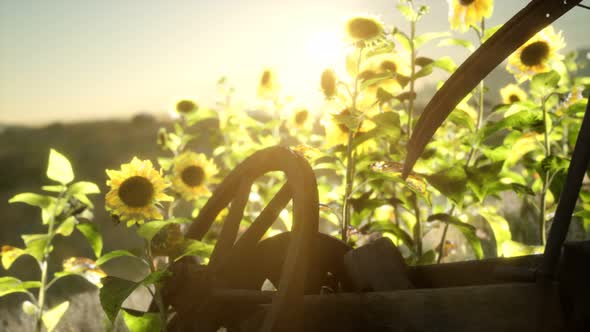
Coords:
486,186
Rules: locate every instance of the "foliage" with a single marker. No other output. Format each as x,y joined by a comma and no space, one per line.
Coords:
356,145
67,209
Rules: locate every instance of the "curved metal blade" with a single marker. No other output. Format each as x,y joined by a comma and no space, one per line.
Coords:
520,28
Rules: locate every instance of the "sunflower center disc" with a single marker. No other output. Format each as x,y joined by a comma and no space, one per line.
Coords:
362,28
185,106
513,98
534,54
265,79
466,2
136,191
301,117
389,65
193,176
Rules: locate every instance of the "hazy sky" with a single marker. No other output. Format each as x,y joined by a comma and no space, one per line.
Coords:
64,60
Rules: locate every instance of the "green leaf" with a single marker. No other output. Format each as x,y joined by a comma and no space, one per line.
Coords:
149,229
402,39
521,189
10,254
391,171
195,248
457,42
156,277
427,258
59,168
523,120
376,132
482,178
385,46
56,188
553,164
9,285
544,83
469,231
500,228
394,229
84,187
512,248
445,63
141,321
408,12
114,254
426,37
165,163
91,233
376,79
40,201
451,182
52,316
490,32
66,227
29,308
36,244
113,293
462,119
424,71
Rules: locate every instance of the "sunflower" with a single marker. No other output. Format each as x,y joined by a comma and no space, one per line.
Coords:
328,83
135,191
363,28
512,93
267,86
185,106
536,55
301,119
465,13
191,173
393,64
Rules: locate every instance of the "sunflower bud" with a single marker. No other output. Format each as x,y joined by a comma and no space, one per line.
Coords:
162,139
328,83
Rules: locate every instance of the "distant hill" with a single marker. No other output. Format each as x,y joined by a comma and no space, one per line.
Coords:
92,147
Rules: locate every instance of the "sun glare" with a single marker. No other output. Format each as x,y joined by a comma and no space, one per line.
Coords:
320,49
324,49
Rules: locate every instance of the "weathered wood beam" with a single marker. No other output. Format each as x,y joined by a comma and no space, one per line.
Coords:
492,308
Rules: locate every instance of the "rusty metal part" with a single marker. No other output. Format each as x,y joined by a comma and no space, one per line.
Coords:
521,27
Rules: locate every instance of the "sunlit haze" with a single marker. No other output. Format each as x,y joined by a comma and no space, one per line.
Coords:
82,60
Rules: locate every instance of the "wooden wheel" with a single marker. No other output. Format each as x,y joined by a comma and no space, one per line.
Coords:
297,262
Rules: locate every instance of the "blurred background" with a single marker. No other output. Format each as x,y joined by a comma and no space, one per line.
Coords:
95,81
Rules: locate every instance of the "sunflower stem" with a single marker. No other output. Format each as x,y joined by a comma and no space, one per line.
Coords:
171,209
417,226
412,74
43,265
350,159
157,288
546,182
471,153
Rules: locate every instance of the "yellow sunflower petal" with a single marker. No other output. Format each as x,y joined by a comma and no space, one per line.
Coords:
191,174
537,55
135,191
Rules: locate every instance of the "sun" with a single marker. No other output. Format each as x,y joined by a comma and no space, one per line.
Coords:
324,49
